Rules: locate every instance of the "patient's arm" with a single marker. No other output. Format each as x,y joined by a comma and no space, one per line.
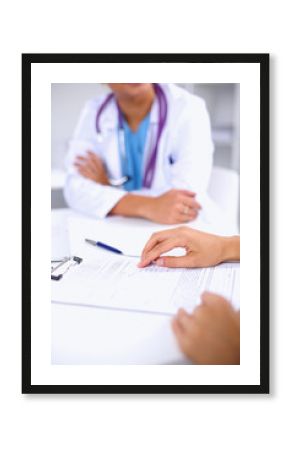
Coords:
202,249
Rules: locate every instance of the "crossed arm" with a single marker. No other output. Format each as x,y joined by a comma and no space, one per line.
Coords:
173,207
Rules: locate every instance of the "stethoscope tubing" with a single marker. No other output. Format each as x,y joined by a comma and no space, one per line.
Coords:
151,164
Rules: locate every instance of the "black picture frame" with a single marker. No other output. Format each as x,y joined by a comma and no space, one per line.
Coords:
263,61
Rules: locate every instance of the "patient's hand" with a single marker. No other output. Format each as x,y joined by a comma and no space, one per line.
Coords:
202,249
92,167
211,334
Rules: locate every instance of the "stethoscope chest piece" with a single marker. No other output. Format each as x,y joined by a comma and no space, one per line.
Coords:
119,182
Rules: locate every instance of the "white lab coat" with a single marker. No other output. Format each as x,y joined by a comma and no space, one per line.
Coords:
186,139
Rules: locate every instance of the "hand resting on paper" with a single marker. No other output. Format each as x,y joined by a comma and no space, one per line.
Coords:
202,249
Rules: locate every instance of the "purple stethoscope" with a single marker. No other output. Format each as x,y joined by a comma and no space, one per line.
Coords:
151,164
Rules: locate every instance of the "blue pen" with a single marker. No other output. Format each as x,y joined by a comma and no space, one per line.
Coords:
104,246
109,248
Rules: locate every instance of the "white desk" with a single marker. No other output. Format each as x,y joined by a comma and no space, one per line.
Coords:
90,335
95,335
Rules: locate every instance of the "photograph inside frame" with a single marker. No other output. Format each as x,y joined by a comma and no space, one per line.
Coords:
145,214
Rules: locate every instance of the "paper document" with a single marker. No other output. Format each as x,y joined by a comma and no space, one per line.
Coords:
223,280
108,280
111,281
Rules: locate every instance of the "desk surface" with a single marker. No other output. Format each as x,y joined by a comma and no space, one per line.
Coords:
94,335
90,335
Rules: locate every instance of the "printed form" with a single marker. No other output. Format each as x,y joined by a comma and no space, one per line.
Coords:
115,281
105,279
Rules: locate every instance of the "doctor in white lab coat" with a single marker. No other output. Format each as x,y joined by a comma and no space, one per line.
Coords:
96,162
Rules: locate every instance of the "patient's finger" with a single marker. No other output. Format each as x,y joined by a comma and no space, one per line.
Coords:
156,238
211,299
183,339
184,319
177,329
185,261
160,248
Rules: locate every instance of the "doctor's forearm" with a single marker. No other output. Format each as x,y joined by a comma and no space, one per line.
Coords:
132,205
173,207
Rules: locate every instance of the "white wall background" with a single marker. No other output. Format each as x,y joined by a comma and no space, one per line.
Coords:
156,422
67,101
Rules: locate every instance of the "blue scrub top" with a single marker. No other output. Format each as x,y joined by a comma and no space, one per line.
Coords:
132,165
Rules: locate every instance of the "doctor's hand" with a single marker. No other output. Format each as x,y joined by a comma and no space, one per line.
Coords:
175,206
202,249
211,334
92,167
